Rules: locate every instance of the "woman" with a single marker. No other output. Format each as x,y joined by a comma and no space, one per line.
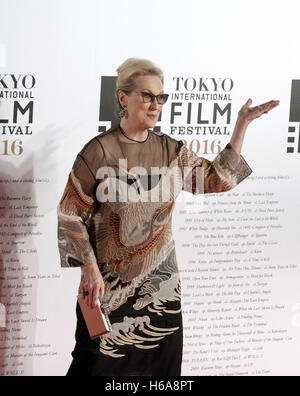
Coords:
125,247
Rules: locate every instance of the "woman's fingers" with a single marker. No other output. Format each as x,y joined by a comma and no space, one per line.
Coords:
274,104
267,106
102,287
250,113
96,293
249,102
90,296
84,291
270,105
93,297
92,290
87,292
91,285
101,291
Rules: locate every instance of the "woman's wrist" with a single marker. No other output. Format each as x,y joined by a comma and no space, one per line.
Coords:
241,125
238,135
89,267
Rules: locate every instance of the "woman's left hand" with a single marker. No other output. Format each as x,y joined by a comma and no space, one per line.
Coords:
245,116
248,114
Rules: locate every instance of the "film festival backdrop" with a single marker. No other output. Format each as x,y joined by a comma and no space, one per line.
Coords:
237,251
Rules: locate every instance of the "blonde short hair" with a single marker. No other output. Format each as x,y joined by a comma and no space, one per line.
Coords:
132,68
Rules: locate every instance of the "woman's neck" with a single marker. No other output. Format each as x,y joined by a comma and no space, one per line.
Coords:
132,131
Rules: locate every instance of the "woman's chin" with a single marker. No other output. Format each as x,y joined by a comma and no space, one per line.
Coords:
151,123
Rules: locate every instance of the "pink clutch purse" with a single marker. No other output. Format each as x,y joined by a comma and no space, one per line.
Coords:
96,319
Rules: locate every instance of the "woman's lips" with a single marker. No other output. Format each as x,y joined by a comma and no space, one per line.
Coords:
152,115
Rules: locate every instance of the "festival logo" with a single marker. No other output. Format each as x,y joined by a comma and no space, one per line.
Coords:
16,112
293,139
200,112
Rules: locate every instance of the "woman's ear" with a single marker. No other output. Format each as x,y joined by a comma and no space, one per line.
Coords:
122,98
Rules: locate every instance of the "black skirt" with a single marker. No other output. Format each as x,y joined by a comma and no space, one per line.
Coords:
163,358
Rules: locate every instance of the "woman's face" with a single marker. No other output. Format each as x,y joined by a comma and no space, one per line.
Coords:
143,115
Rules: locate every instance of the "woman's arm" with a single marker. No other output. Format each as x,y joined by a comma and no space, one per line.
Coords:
74,209
245,116
229,168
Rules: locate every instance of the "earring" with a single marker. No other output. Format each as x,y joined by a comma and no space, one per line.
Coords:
123,113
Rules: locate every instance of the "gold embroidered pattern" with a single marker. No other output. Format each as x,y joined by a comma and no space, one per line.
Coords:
127,333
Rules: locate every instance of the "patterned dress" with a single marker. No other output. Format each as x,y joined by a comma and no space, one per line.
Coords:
116,211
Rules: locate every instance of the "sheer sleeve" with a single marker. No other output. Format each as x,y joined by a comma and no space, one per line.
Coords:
74,210
203,176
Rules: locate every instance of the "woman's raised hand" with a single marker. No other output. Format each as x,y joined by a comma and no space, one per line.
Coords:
248,114
245,116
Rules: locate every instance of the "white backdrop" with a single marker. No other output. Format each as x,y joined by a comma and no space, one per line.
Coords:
237,252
